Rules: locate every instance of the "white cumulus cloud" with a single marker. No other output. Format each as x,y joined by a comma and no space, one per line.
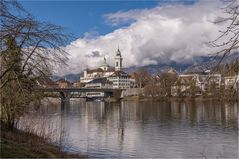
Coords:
158,35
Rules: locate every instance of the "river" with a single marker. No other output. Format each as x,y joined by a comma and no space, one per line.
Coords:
147,129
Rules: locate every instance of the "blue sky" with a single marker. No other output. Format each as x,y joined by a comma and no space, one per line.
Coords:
80,17
147,32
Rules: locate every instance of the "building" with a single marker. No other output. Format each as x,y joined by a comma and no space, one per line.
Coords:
97,84
78,84
118,61
121,79
185,83
117,77
210,81
231,81
62,83
199,83
103,71
171,71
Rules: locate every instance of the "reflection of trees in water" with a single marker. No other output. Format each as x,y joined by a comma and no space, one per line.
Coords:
169,114
163,111
192,112
119,113
113,124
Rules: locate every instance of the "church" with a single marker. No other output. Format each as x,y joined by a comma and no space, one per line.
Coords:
114,75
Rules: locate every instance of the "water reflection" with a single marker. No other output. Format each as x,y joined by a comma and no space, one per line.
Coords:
149,129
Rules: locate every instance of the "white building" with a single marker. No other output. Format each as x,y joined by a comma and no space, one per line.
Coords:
201,82
98,83
210,80
231,81
103,71
184,83
118,61
119,78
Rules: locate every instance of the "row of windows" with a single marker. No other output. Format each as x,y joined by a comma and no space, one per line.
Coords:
118,78
116,84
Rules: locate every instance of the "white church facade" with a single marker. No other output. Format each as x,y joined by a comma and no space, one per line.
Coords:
115,75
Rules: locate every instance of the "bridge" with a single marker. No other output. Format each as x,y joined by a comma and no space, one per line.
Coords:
66,93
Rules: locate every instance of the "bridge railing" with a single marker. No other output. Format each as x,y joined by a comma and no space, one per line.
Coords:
79,89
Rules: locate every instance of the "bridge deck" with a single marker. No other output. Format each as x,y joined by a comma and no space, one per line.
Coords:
79,89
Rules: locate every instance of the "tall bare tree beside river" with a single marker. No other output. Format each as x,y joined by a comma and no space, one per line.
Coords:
29,49
228,41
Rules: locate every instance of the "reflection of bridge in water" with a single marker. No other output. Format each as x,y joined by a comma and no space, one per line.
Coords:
67,93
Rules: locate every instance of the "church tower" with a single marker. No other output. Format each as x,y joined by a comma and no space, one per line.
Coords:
118,60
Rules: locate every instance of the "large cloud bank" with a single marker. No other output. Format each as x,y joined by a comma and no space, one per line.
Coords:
158,35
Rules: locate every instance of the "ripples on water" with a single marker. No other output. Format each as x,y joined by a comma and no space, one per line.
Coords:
149,129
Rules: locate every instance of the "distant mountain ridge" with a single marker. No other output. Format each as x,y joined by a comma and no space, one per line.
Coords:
211,63
69,77
201,63
155,69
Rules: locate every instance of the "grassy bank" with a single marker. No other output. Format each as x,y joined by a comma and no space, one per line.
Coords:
188,98
205,98
131,98
19,144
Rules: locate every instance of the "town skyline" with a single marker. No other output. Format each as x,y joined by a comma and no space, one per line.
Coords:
119,79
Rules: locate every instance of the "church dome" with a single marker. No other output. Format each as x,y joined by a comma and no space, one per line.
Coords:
172,71
104,66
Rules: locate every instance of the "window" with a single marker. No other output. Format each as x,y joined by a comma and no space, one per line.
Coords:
116,63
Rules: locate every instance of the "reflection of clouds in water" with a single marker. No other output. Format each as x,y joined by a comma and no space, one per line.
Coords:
150,129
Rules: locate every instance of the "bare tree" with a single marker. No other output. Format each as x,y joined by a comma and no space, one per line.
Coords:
167,80
160,86
142,77
228,41
152,88
29,50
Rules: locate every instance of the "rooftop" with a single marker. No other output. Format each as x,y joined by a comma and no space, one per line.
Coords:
119,74
99,80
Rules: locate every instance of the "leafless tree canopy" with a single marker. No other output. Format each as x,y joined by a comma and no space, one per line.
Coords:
228,41
29,50
38,42
142,77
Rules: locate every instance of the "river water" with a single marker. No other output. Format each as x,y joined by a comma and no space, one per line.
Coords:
148,129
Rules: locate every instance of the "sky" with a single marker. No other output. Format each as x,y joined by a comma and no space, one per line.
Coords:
147,32
80,17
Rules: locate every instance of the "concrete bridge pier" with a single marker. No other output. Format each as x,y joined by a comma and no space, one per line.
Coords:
65,98
116,94
65,95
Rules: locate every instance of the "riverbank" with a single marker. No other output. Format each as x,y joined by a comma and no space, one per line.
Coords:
188,98
18,144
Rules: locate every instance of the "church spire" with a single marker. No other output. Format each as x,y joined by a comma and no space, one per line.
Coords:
118,60
118,53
